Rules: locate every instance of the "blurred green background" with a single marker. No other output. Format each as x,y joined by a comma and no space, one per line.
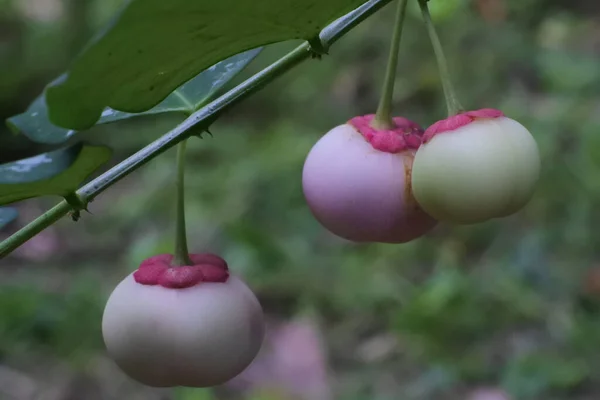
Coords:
505,310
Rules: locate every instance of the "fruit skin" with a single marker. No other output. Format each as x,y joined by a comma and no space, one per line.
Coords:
198,336
474,167
356,181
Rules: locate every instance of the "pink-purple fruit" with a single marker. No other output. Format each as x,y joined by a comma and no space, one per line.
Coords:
193,326
357,182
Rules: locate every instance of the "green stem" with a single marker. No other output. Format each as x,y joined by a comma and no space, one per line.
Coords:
200,120
34,227
181,256
452,102
383,117
75,201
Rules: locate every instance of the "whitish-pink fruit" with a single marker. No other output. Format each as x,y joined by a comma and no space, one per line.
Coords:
193,326
475,166
357,182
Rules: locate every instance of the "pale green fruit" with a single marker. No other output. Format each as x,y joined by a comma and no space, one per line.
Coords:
483,170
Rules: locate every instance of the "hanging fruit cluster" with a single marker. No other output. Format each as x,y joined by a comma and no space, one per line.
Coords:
383,179
183,320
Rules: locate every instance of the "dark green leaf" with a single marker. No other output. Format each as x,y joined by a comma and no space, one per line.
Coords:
7,215
37,168
34,123
59,172
153,46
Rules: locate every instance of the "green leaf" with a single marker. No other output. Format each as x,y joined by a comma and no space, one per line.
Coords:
59,172
153,46
35,124
7,215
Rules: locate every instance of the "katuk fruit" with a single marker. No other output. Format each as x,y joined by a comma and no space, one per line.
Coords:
475,166
194,326
357,182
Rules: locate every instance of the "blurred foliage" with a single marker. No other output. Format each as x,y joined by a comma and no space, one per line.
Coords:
513,303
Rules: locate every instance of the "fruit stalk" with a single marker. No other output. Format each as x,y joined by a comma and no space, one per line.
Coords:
181,255
454,106
383,117
200,120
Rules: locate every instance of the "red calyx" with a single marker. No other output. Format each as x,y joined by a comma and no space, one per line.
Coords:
460,120
406,134
157,270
